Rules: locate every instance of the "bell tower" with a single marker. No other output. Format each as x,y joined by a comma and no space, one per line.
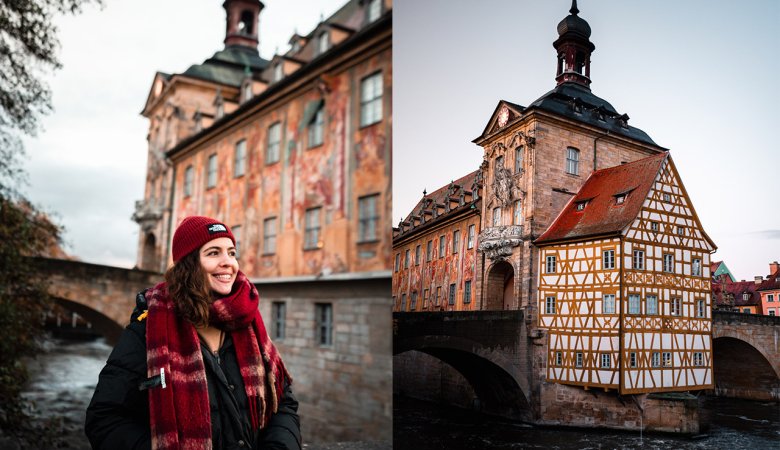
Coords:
574,49
242,21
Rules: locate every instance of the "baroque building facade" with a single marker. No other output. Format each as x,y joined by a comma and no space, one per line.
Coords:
537,159
293,153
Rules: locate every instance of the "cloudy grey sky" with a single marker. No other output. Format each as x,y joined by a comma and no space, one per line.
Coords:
88,166
698,76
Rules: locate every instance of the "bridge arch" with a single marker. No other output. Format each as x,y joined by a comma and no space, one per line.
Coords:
490,373
101,323
743,369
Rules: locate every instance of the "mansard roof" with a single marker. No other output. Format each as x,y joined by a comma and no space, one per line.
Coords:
440,198
228,66
601,215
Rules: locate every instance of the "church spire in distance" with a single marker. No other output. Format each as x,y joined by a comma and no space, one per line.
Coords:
574,49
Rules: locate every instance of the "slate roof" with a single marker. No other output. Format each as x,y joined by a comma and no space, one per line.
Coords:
577,102
601,215
228,66
439,196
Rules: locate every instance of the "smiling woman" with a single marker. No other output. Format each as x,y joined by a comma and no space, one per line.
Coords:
195,368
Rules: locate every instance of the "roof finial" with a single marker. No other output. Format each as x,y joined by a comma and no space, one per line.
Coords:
425,192
574,9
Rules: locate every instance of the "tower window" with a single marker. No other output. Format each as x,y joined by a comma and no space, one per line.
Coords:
572,161
245,26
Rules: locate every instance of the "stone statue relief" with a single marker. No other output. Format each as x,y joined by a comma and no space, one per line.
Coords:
502,183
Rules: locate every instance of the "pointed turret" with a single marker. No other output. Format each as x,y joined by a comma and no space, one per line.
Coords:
574,49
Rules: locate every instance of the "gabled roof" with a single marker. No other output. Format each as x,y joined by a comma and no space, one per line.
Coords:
737,289
601,215
515,111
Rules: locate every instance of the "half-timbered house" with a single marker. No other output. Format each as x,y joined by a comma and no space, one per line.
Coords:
624,284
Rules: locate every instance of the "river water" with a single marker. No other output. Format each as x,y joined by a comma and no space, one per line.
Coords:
735,425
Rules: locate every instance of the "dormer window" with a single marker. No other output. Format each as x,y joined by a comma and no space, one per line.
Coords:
581,205
246,90
322,43
374,10
746,296
278,72
620,199
296,46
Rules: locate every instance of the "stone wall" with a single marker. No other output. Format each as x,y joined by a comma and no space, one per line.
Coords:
344,389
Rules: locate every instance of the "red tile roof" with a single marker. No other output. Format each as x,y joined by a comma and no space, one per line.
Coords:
602,216
771,283
737,289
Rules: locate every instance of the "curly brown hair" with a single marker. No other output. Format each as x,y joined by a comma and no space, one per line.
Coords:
189,289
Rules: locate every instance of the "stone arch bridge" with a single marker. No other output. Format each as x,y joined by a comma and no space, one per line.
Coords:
103,295
501,357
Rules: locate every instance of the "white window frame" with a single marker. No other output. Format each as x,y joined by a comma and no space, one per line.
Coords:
270,230
312,228
696,267
550,264
651,306
634,304
632,360
606,361
656,359
698,359
371,94
639,260
471,236
518,212
496,216
608,304
675,306
239,159
668,263
608,260
374,10
455,241
211,171
316,128
519,159
666,359
572,161
549,305
189,177
700,308
442,246
578,359
368,218
274,143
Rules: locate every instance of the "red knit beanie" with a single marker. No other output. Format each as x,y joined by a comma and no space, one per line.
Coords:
194,231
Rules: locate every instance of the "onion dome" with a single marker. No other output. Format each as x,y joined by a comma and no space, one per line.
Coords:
574,24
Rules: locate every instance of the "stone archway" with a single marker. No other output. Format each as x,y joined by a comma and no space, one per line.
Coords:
742,371
500,289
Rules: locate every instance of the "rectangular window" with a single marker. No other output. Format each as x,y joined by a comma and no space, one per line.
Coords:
236,229
700,312
369,217
397,261
550,266
452,294
668,262
211,172
608,304
269,236
374,10
518,212
633,303
656,359
442,243
654,226
667,197
413,303
549,306
519,159
438,295
772,312
455,241
639,260
676,306
609,259
406,259
425,299
606,361
311,234
403,302
239,159
472,232
681,231
467,292
572,161
429,250
189,175
696,268
652,305
417,253
323,41
371,99
278,313
632,359
770,298
558,358
316,127
578,359
698,358
274,143
496,216
667,359
324,313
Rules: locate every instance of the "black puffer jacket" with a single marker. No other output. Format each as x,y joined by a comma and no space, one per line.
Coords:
118,415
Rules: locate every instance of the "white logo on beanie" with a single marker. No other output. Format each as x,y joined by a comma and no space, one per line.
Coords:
217,228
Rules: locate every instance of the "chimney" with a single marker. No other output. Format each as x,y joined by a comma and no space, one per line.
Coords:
758,279
241,20
773,267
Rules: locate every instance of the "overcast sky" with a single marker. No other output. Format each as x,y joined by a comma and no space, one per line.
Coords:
698,76
88,167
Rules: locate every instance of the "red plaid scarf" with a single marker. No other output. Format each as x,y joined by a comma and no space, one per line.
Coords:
179,412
